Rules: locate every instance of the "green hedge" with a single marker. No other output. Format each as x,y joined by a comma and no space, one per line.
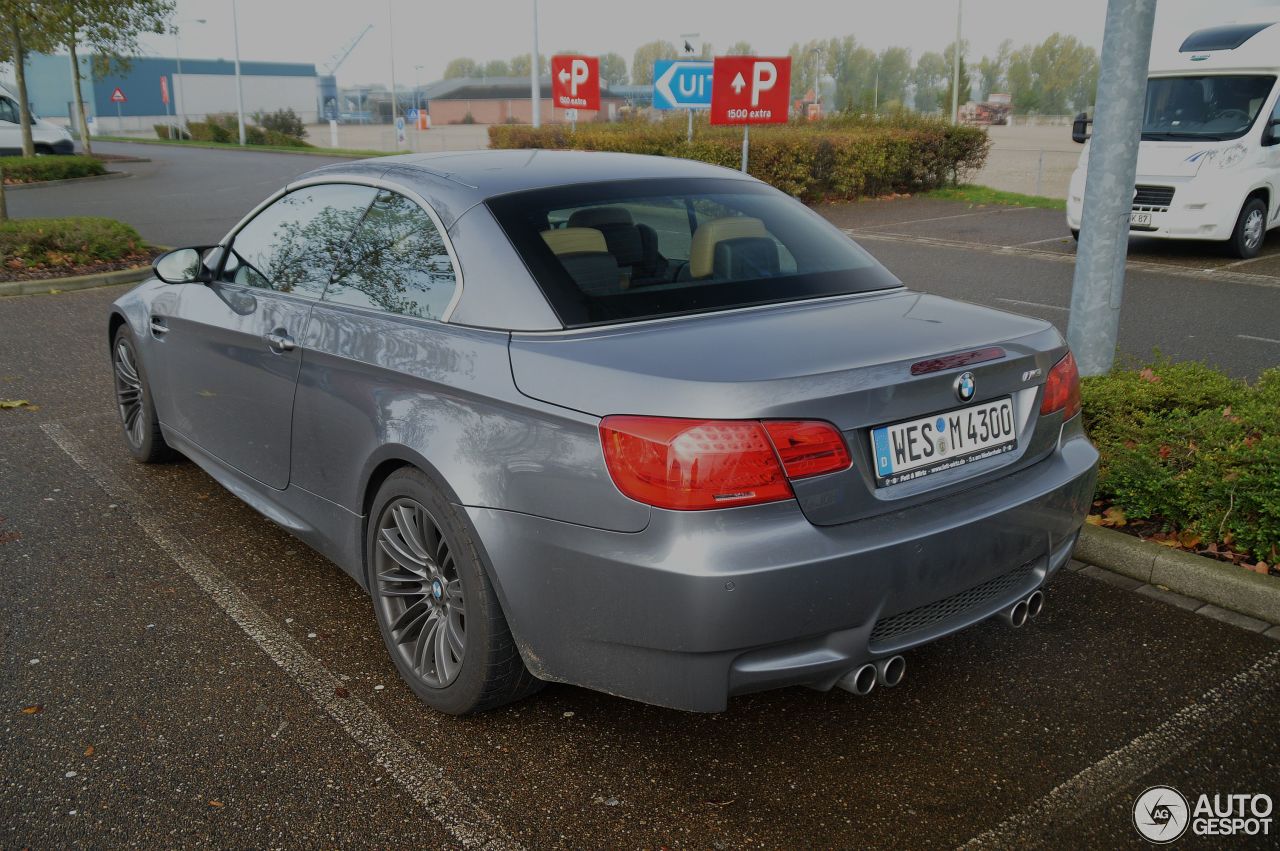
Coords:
225,129
72,241
1192,450
833,159
35,169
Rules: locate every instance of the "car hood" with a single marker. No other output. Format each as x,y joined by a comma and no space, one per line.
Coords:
1174,159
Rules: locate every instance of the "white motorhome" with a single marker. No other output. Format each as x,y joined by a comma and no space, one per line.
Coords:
48,138
1209,160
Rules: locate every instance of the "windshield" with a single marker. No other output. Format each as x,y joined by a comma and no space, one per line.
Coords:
629,250
1211,108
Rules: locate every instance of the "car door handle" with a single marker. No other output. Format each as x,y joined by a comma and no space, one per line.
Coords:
279,341
158,327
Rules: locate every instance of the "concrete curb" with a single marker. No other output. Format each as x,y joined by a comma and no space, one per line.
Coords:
40,184
78,282
1206,579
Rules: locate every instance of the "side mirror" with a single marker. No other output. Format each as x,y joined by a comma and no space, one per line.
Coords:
1080,128
183,266
1271,133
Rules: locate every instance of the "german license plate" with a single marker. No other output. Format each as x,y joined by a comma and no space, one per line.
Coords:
915,448
1140,219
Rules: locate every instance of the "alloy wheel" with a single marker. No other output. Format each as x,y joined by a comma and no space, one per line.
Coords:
129,392
1253,229
420,593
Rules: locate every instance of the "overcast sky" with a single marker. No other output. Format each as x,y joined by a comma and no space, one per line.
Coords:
431,32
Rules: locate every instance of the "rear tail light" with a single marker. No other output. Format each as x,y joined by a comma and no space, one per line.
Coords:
698,464
1062,389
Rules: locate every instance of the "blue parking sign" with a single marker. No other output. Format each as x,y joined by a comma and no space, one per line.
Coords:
681,84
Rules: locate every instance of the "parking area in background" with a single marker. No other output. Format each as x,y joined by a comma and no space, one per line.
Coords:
167,631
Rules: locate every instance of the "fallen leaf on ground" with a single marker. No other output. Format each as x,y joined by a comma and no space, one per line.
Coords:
9,537
1094,519
1188,539
216,804
33,709
341,692
13,403
1148,374
88,751
1114,516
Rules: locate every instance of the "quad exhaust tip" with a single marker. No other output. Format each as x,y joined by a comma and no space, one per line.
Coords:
1023,610
860,680
863,679
889,672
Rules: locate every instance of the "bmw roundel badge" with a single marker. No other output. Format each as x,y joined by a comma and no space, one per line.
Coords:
966,386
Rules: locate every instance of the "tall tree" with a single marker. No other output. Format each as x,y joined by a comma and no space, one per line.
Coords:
110,28
645,56
613,69
994,70
854,69
496,68
520,65
464,66
929,79
808,62
893,70
23,30
740,48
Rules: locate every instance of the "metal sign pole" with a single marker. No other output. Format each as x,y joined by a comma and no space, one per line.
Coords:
1098,287
746,141
689,137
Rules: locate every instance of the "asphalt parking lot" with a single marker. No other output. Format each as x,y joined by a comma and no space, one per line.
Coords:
179,671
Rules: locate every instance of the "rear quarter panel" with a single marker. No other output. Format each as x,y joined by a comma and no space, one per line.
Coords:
375,387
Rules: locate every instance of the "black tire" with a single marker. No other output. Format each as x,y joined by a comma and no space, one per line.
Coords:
492,673
133,402
1251,230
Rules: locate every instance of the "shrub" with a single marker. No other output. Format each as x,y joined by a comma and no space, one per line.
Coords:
1192,450
36,169
225,129
170,131
468,119
284,122
843,157
51,243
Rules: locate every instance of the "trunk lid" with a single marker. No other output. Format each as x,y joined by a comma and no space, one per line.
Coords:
847,361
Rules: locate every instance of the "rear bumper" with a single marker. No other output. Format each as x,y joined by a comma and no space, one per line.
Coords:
704,605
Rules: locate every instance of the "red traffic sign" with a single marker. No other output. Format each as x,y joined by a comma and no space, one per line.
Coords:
164,90
575,82
750,89
118,96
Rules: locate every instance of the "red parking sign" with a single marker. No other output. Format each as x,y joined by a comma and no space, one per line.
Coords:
575,82
750,89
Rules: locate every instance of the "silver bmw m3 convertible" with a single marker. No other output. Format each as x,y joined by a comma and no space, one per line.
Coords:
642,425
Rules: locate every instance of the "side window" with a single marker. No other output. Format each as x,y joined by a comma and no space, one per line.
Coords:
396,261
293,245
9,111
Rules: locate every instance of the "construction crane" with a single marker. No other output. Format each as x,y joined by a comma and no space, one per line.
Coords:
328,82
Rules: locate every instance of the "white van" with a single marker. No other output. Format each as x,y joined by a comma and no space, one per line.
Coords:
1209,160
48,138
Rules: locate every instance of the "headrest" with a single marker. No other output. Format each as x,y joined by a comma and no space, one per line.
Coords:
575,241
703,250
594,217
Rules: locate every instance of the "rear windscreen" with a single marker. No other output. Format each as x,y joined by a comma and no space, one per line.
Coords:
630,250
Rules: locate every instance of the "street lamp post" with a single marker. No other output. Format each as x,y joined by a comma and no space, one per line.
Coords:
955,67
535,96
235,28
391,45
177,55
417,87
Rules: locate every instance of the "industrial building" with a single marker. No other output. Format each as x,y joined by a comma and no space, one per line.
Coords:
205,86
503,100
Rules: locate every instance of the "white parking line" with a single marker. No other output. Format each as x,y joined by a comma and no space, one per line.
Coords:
1072,801
443,800
1259,339
1033,304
